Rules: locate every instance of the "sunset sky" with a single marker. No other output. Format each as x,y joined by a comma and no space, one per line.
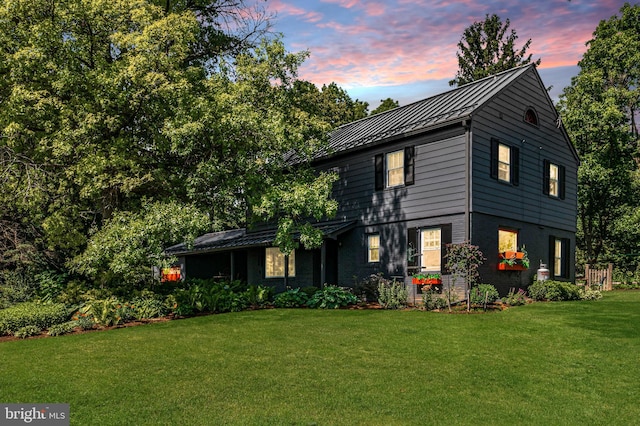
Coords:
406,49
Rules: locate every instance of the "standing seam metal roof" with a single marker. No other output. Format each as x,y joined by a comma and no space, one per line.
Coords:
453,105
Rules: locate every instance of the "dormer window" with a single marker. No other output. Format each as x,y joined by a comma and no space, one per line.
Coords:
531,117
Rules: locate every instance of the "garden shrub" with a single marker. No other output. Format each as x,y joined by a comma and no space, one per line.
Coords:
148,305
34,314
554,291
106,312
432,300
483,292
392,294
589,294
85,322
27,331
516,298
332,297
258,296
15,287
368,287
64,328
210,296
291,298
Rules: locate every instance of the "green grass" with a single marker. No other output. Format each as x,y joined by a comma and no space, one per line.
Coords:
545,363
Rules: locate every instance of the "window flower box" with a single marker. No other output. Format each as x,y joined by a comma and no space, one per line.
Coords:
426,279
513,260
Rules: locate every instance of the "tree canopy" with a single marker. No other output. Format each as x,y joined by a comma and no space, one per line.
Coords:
600,112
109,107
486,48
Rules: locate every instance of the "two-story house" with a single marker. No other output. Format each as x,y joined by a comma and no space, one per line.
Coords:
488,162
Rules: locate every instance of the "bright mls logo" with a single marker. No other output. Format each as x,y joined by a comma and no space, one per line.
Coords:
37,414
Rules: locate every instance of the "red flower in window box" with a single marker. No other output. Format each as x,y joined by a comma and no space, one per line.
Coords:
426,279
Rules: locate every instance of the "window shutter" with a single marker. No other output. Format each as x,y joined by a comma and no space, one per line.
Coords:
413,250
546,173
379,174
515,165
552,256
409,165
445,238
494,158
561,174
565,257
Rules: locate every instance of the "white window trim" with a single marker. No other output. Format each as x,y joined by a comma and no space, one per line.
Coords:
503,163
388,169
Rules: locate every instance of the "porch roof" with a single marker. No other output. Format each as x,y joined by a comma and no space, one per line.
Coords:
241,238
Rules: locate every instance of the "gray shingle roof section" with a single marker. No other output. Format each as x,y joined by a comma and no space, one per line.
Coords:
454,105
240,238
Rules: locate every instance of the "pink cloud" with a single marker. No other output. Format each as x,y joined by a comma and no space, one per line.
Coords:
404,41
288,9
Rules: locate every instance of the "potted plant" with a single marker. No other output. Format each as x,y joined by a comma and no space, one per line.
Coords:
514,260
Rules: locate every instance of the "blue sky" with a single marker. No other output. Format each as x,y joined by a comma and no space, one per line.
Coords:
406,49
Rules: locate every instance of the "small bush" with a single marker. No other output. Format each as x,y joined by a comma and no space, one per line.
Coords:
589,294
34,314
85,322
292,298
258,296
392,294
516,298
15,287
27,331
554,291
332,297
368,287
483,293
432,300
148,305
60,329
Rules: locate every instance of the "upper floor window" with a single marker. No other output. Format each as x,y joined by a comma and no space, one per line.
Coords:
505,162
553,179
395,168
531,117
275,261
373,244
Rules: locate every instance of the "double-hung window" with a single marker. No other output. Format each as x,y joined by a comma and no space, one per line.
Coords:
505,162
373,248
395,168
559,257
431,259
553,179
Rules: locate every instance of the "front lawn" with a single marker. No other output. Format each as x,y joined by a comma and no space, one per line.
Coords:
544,363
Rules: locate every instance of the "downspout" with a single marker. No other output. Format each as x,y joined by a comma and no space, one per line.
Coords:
468,175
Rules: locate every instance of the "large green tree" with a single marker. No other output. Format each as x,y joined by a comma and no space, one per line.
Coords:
487,48
600,111
109,107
